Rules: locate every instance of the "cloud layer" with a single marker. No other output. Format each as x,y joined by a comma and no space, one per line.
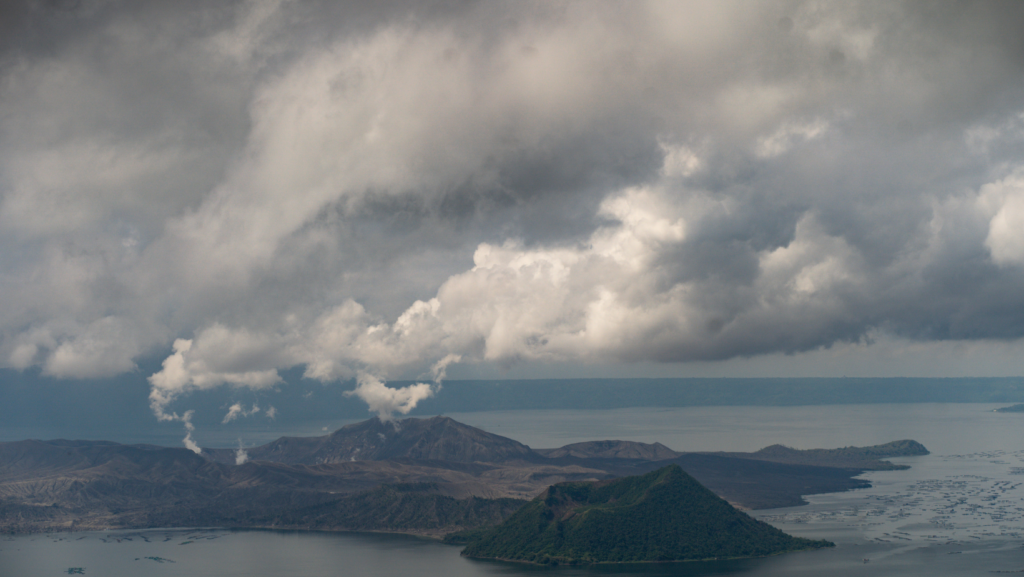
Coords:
387,190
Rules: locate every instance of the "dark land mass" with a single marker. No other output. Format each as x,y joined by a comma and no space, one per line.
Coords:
756,484
423,476
1019,408
862,458
399,508
664,515
612,450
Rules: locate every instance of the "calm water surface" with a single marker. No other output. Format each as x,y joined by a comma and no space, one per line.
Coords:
958,511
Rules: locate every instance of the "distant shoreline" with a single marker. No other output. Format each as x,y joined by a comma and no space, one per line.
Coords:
88,404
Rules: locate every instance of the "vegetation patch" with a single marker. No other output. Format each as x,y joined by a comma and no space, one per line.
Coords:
665,515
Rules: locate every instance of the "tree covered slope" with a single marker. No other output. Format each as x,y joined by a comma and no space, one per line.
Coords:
664,515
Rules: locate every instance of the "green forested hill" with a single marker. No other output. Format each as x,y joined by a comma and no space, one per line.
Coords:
664,515
403,508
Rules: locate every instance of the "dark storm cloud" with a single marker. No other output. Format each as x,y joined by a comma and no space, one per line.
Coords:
388,188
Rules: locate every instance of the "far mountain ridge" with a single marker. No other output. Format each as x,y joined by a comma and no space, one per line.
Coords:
612,450
445,439
865,458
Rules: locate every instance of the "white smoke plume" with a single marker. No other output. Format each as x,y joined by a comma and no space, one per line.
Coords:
271,412
182,374
440,369
189,428
186,419
238,410
241,456
185,371
386,401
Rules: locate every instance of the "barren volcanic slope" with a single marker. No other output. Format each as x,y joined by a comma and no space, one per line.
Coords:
437,439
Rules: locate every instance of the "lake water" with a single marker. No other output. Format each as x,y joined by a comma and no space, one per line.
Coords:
958,511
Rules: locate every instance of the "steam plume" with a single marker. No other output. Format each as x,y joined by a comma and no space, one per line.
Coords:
385,401
186,418
440,369
241,456
237,410
189,427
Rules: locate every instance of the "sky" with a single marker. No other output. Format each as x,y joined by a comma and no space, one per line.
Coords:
370,191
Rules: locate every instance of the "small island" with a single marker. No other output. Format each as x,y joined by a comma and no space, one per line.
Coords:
1018,408
665,515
